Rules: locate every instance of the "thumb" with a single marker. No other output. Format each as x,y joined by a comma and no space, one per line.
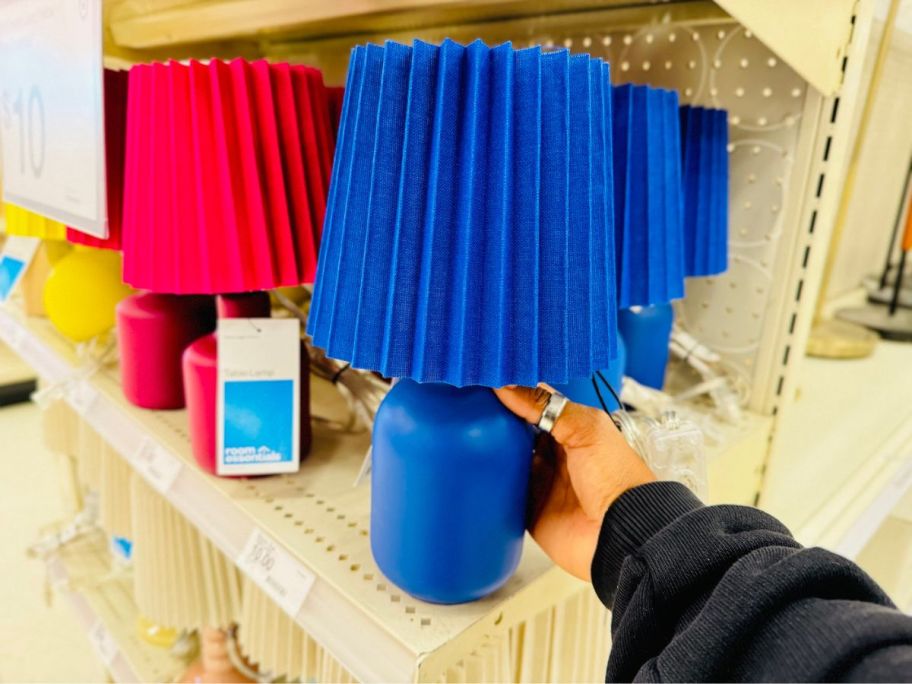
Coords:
526,402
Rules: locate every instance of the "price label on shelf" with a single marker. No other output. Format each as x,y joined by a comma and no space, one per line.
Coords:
52,111
159,467
12,333
103,643
82,397
275,572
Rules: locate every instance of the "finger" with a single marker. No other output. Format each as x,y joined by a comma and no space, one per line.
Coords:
540,481
526,402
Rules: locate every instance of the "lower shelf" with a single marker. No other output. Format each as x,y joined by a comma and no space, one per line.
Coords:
103,604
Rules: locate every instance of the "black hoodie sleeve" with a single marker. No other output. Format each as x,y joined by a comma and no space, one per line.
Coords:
725,593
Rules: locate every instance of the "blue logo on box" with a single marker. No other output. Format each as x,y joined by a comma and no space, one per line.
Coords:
259,421
10,269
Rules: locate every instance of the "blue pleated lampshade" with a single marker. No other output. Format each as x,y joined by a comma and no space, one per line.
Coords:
705,168
469,229
647,195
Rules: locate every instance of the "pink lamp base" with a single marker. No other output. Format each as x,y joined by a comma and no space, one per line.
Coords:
153,330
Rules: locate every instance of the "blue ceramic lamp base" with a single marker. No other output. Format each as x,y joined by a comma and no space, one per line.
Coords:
450,473
647,332
582,391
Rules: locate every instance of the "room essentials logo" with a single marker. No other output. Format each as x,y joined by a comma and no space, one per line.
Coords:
259,421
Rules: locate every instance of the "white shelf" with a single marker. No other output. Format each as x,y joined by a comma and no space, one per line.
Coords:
317,516
376,631
104,607
842,457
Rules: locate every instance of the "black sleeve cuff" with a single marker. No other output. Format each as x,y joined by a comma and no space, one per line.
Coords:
635,516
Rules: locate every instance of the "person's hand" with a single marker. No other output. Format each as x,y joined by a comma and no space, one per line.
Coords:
577,473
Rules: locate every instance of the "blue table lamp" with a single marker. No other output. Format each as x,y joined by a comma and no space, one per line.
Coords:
705,163
467,245
649,225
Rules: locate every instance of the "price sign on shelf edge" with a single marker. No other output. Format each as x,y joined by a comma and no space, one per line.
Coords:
52,110
285,580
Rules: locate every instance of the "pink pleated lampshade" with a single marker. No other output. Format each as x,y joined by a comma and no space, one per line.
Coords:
115,120
227,169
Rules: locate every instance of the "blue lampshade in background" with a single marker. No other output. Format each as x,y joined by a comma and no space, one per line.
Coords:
468,243
705,167
648,224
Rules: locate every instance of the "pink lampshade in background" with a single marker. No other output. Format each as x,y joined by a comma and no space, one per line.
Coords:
227,171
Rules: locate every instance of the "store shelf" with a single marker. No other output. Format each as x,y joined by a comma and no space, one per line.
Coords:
103,605
155,23
842,456
317,517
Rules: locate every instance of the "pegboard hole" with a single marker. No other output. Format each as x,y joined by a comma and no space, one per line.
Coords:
668,64
340,516
625,66
343,557
734,121
762,121
395,598
425,622
320,540
352,524
269,500
309,495
354,567
331,548
628,39
767,92
688,92
368,577
752,178
695,36
796,92
320,502
309,530
410,610
298,523
381,586
744,63
720,34
717,64
288,515
771,62
672,37
739,91
278,507
363,533
568,42
331,509
606,41
649,38
748,204
587,41
647,65
748,34
692,64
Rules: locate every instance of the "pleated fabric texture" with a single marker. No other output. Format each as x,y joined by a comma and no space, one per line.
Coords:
27,223
468,235
227,170
115,121
649,238
705,161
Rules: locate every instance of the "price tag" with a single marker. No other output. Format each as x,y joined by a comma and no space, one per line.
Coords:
159,467
103,643
82,397
51,110
258,396
12,333
275,572
18,253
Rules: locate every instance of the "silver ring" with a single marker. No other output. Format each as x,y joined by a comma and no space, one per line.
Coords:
553,409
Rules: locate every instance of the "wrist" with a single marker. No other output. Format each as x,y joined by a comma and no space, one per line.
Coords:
633,518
